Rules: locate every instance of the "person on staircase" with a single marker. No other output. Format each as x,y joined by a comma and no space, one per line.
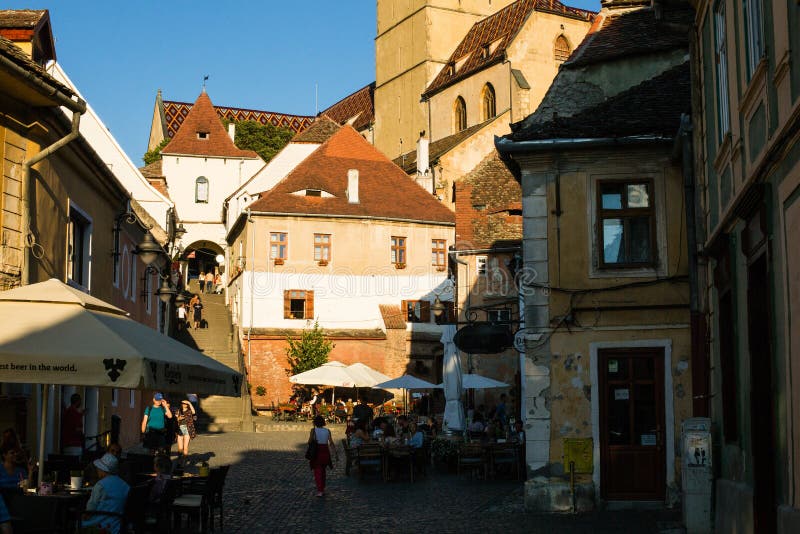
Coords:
201,279
209,282
197,308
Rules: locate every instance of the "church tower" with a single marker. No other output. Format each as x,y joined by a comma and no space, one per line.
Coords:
415,39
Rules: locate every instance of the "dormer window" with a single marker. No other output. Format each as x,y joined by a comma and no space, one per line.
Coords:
313,193
202,135
451,69
485,51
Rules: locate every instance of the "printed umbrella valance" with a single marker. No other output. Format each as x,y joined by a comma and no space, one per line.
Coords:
55,334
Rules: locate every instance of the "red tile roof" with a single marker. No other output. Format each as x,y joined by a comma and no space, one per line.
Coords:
318,132
152,170
203,118
175,114
21,18
357,109
385,191
500,28
392,315
630,33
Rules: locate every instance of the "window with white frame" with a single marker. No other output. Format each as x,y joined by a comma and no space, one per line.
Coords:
322,247
721,58
278,245
626,223
80,247
754,34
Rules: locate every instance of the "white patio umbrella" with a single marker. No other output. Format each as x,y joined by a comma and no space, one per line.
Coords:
452,384
366,376
331,373
55,334
405,382
473,381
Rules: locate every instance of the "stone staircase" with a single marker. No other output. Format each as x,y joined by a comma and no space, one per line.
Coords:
218,340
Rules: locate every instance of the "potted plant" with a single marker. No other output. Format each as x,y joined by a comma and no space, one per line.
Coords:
399,265
440,268
322,263
279,261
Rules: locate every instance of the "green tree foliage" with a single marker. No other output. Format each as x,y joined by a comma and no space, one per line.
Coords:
264,139
308,352
154,155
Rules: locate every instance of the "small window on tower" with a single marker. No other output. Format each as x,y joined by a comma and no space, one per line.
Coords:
202,135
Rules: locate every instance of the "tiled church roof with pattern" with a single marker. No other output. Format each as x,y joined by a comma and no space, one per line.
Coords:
654,107
496,31
384,190
630,33
358,107
175,114
203,118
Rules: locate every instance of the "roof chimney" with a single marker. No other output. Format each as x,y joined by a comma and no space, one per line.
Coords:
423,160
232,130
352,186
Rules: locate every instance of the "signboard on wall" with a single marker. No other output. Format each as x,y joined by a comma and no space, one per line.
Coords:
484,338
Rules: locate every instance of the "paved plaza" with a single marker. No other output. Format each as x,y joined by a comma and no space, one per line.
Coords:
270,489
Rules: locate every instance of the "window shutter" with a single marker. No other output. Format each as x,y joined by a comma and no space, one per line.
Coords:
287,304
450,310
309,305
404,310
425,311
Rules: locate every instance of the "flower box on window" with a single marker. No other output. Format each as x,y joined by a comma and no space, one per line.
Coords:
440,268
279,261
322,263
399,265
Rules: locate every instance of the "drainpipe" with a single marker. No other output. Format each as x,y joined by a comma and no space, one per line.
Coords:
700,364
78,108
252,284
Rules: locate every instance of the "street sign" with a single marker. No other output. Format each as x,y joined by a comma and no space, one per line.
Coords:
483,338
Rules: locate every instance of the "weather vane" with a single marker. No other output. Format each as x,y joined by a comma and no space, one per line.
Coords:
205,79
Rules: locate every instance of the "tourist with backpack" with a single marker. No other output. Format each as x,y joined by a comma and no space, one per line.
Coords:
155,423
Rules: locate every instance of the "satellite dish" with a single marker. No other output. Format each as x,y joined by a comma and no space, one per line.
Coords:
220,259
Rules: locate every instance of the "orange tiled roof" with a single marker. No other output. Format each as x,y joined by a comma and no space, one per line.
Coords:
152,170
203,118
358,107
319,131
175,114
385,191
496,31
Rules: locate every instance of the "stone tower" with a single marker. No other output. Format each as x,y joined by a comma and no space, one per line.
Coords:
415,38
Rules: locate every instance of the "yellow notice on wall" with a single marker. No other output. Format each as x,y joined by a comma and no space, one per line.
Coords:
579,450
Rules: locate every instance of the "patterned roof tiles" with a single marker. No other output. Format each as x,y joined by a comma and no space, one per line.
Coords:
175,114
488,39
203,134
357,109
385,191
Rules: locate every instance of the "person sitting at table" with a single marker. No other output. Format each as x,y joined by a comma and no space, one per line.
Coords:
402,426
11,438
477,424
360,435
108,495
362,412
116,450
5,518
163,468
350,427
417,439
11,474
387,429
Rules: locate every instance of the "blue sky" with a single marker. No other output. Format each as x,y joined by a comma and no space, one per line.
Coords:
259,54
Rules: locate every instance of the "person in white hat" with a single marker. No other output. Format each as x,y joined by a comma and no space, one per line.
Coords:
108,495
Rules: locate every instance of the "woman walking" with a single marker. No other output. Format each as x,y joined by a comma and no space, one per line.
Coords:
197,308
186,429
322,459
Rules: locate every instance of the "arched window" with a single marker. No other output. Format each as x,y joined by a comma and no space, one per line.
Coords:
460,115
488,99
562,49
201,189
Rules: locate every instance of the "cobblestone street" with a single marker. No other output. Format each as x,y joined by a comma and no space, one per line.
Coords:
270,489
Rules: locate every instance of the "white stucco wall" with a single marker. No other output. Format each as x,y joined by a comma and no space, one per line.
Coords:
341,301
224,175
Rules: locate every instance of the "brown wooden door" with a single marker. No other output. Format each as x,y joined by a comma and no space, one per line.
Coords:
631,392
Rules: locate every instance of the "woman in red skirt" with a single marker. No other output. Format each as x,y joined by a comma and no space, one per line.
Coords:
322,459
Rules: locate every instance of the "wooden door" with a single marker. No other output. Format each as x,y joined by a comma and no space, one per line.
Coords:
632,437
